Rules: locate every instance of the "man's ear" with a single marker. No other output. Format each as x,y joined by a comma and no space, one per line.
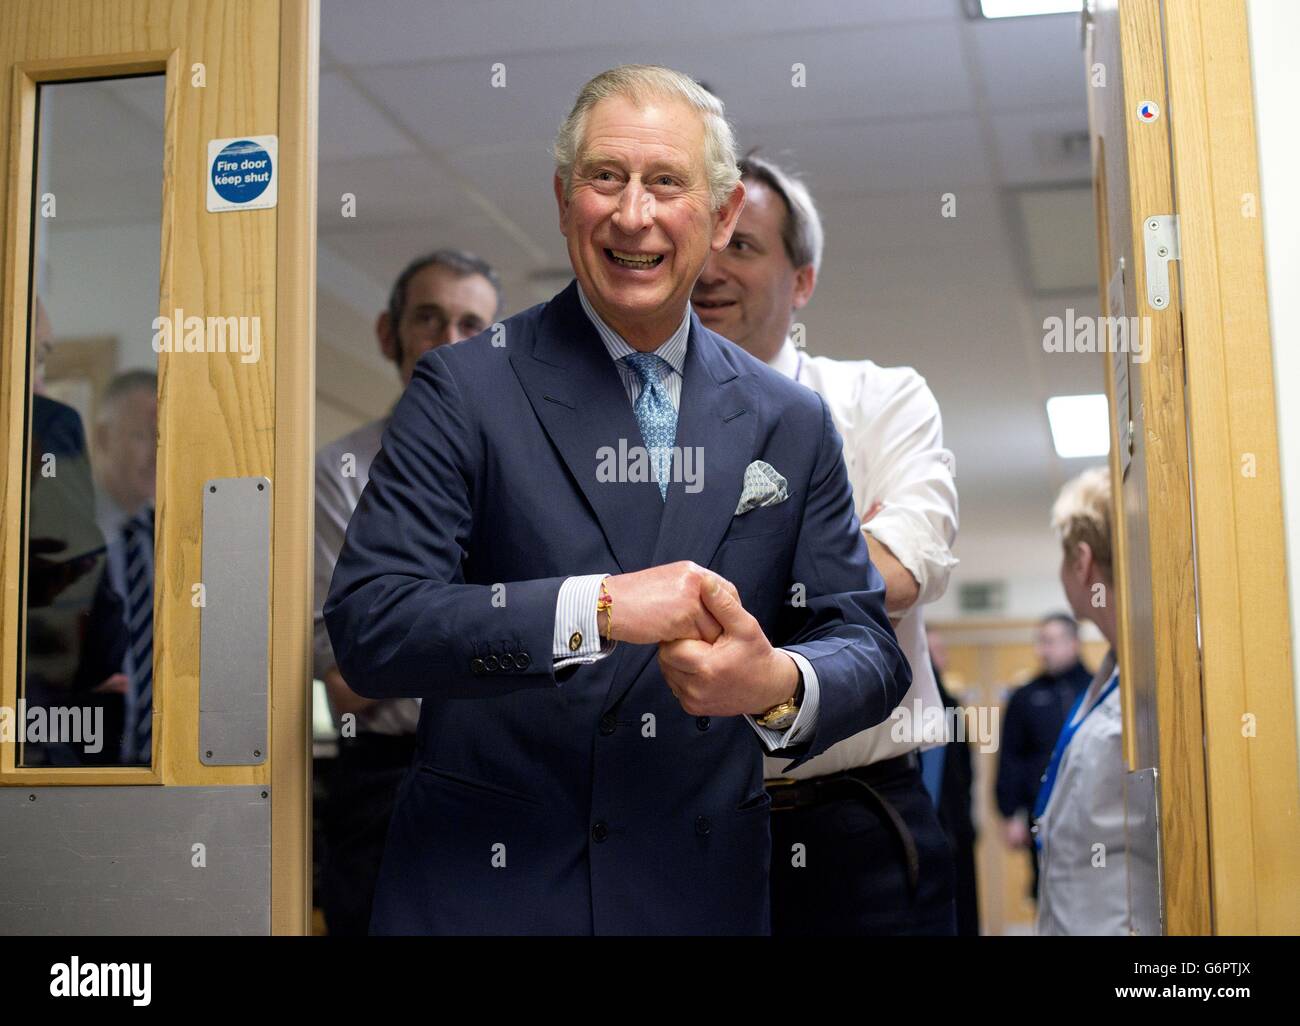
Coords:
727,216
805,282
562,202
387,337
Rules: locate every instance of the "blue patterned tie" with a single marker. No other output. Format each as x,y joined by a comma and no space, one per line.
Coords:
655,414
138,533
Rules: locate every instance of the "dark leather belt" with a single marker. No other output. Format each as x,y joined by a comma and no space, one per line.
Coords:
858,784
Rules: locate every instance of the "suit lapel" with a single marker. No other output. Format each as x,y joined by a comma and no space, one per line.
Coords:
717,421
578,397
716,425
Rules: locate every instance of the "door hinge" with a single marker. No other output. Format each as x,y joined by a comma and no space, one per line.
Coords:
1160,243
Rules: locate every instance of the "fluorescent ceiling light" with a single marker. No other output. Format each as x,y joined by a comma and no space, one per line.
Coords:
1022,8
1080,425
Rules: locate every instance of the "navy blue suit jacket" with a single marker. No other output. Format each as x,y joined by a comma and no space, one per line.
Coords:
585,800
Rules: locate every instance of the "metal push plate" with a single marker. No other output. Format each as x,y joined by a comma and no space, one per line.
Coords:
135,860
234,663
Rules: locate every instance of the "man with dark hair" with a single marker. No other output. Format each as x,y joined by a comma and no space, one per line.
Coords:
440,298
1034,716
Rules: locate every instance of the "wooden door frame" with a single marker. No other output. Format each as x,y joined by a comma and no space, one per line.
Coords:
1249,723
137,36
1223,698
1152,540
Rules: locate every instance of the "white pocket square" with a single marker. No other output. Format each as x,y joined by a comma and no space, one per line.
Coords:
763,487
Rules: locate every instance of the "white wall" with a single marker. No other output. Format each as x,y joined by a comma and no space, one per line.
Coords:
1274,27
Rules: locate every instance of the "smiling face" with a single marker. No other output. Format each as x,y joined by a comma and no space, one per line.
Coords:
638,220
749,291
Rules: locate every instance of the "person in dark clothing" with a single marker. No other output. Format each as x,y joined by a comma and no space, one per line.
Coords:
1031,724
954,808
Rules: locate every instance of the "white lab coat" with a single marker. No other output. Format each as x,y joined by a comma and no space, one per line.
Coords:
1083,873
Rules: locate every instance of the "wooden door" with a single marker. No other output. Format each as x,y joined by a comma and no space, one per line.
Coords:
204,828
1203,624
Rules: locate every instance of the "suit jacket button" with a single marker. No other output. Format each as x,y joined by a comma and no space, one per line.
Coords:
608,724
521,660
599,830
703,826
491,665
476,666
702,722
575,641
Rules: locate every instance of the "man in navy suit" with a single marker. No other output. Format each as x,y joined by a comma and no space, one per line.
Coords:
585,531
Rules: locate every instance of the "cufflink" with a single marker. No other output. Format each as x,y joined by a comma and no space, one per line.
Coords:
575,641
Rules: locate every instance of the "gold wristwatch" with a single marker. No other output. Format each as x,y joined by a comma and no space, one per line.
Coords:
780,717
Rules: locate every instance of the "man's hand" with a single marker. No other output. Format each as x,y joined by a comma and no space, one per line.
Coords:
738,673
660,604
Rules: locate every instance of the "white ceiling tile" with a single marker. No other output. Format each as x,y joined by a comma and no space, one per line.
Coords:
1031,62
387,189
1033,147
934,154
403,31
350,126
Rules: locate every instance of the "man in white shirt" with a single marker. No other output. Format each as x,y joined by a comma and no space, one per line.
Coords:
439,298
857,844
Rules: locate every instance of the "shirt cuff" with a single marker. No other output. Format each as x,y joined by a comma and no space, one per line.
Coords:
915,544
805,722
577,639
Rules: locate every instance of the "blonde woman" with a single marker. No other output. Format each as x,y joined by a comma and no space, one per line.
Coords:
1080,809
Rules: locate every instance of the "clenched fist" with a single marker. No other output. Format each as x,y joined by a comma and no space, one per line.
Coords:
738,672
663,603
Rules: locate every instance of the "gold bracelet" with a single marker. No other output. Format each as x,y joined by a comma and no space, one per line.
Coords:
605,604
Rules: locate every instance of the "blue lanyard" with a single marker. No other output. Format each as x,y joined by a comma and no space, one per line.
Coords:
1063,742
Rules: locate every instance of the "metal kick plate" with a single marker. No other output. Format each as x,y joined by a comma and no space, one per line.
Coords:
235,621
135,860
1142,816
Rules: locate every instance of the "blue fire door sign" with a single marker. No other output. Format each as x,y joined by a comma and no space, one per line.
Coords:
242,173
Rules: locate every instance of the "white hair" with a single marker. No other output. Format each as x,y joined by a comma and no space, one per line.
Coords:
638,83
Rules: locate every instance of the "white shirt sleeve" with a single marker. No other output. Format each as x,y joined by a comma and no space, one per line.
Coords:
898,448
576,621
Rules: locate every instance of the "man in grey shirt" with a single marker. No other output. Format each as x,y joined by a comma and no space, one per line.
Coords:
443,297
